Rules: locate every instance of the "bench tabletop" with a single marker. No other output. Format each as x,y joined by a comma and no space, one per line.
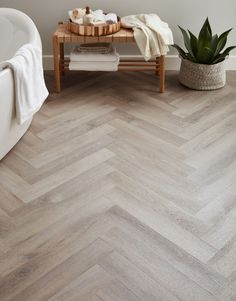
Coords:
64,36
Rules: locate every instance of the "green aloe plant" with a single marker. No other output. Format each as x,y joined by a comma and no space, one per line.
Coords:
207,48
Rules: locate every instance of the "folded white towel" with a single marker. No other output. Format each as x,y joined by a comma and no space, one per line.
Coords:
30,88
102,48
98,16
77,56
94,66
75,20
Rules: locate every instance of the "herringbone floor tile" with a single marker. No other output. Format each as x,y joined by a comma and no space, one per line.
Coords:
119,193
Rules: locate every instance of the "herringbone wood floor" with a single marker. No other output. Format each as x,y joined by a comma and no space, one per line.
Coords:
120,193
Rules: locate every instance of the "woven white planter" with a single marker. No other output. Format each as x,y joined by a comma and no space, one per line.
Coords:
202,77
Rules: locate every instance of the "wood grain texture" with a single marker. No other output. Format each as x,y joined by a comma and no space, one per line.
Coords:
119,193
74,33
94,30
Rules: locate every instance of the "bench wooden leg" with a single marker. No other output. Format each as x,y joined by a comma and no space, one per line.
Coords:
57,77
162,73
62,59
157,67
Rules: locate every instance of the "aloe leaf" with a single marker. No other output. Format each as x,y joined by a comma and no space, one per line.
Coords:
205,36
205,32
208,26
217,61
191,58
187,41
205,56
220,59
227,50
181,52
214,42
222,41
194,43
222,56
226,33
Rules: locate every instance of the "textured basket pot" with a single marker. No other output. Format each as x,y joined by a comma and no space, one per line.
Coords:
202,77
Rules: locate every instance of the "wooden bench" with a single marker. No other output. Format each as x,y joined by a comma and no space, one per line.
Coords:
62,36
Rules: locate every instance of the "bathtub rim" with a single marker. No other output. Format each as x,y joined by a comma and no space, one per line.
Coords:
15,132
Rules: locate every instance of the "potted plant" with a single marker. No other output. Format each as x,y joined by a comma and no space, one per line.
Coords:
203,64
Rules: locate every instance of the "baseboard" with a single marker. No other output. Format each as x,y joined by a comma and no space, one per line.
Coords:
172,61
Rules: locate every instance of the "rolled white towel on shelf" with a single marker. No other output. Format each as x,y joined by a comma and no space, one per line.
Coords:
73,19
98,12
98,16
111,18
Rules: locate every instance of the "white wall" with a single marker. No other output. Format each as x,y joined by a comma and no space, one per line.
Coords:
187,13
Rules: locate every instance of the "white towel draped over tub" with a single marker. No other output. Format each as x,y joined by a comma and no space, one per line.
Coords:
152,35
30,88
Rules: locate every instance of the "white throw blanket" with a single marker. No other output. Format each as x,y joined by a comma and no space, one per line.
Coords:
30,88
152,35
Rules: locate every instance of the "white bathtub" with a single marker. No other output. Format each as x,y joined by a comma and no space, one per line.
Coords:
16,29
